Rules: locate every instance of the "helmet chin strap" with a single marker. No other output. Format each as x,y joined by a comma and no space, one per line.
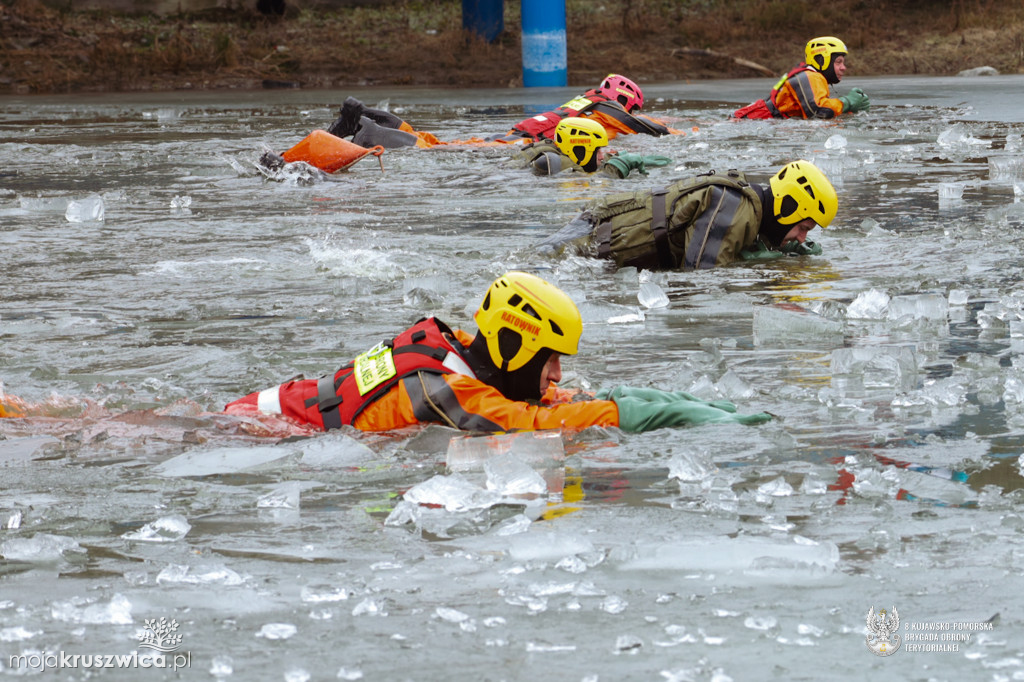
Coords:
522,384
771,229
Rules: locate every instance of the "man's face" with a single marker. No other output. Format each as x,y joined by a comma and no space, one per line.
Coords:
552,372
799,231
840,67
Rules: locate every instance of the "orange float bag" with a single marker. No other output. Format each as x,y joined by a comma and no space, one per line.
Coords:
329,153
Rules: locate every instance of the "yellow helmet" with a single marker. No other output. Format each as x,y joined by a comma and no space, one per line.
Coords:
820,52
540,314
579,138
802,191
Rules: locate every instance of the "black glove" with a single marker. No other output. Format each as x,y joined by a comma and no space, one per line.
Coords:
348,122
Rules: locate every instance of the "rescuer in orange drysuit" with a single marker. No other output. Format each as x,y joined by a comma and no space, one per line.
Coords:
804,91
502,379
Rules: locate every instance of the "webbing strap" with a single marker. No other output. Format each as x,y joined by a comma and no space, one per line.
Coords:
603,237
805,94
659,227
434,401
328,401
711,228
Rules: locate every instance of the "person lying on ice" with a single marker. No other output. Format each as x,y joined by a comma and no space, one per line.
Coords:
614,104
704,221
503,378
580,144
804,91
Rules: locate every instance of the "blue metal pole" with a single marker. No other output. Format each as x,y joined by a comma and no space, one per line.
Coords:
544,51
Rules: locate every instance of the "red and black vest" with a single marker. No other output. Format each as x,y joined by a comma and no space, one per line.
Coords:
333,401
543,125
767,108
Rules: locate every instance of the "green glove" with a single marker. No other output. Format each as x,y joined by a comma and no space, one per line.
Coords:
646,409
759,251
621,164
795,248
855,101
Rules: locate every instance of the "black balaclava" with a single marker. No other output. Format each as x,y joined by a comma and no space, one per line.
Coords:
522,384
771,230
830,72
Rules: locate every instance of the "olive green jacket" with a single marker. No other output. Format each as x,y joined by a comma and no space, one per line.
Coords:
692,224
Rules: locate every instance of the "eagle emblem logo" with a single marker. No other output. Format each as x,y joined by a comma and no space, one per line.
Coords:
882,627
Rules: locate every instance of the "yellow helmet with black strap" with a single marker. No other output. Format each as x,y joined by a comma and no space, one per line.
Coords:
579,138
802,191
521,315
820,52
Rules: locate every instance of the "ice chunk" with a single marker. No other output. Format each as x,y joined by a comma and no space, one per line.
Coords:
199,575
453,492
86,210
540,450
778,322
285,496
222,460
222,666
760,622
277,631
957,297
692,467
181,205
41,547
951,191
778,487
118,611
731,554
1006,167
614,604
733,386
335,449
628,318
652,296
869,305
919,306
369,607
166,529
509,475
316,594
543,545
17,634
958,136
835,142
885,366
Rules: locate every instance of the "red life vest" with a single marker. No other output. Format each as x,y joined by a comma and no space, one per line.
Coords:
543,125
333,401
766,108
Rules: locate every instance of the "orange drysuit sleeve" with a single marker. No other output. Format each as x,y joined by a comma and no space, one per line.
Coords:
470,404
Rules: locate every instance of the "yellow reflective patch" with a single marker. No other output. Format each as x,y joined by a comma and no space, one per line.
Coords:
577,103
373,368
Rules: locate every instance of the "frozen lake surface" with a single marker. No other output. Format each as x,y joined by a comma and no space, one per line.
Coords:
891,477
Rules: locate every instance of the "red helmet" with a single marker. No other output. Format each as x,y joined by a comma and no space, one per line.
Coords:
622,90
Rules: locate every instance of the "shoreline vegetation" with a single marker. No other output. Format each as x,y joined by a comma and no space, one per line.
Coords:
48,51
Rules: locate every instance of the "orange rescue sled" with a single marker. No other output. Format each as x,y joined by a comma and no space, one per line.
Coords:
329,153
